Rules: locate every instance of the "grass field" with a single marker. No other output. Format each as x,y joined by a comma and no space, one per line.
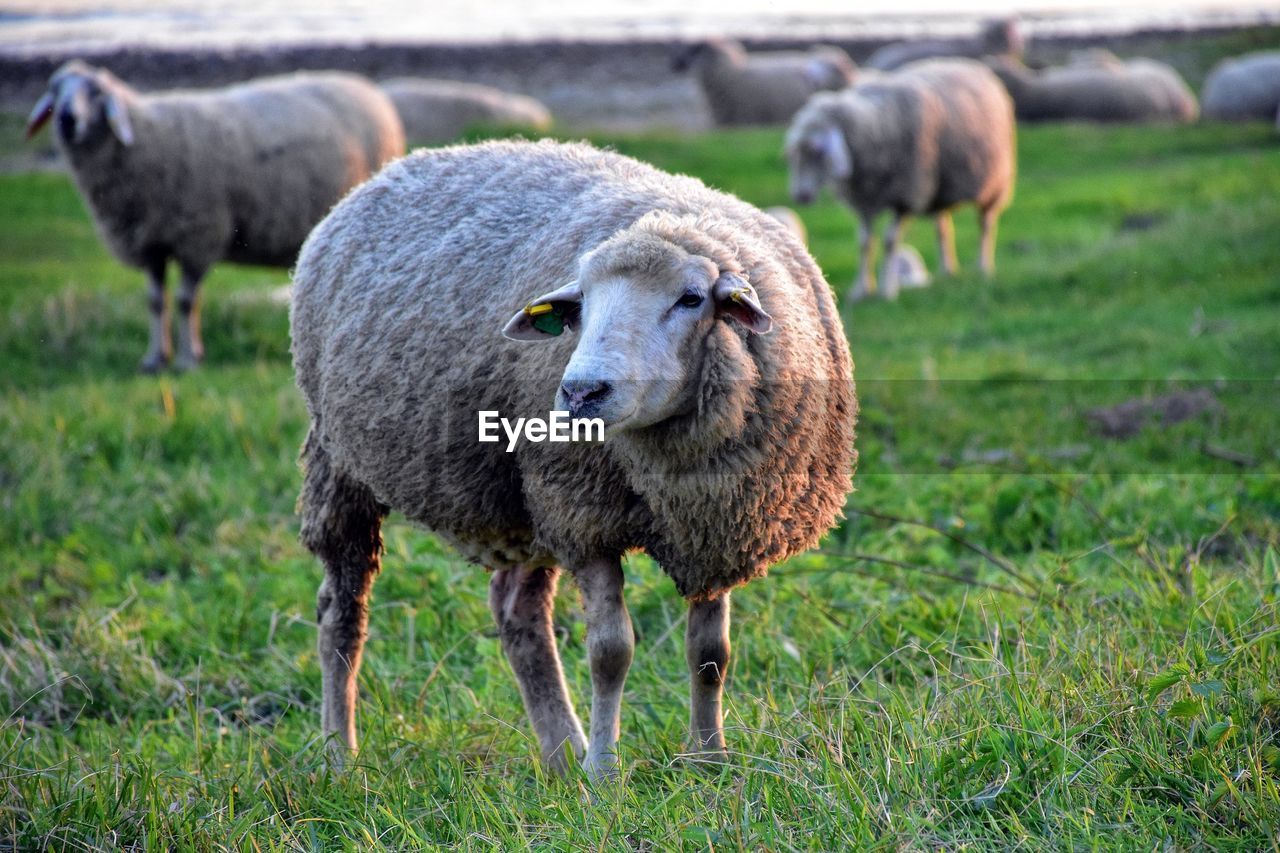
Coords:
1024,634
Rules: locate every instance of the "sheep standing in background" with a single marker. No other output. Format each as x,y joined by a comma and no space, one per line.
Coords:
435,111
1098,88
921,140
998,38
762,88
239,174
702,335
1246,88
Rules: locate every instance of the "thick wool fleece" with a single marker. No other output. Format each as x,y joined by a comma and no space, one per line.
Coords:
435,111
1246,88
921,140
400,296
241,174
767,88
1137,91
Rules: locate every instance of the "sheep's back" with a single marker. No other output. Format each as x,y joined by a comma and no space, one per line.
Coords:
436,111
1244,88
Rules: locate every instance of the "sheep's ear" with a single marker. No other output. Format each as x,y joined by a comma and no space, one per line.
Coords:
547,316
737,299
40,114
118,118
836,153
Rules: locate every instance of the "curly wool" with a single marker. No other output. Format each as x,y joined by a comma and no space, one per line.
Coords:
399,298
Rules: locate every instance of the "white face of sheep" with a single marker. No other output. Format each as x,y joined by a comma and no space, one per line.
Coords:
817,155
86,104
640,334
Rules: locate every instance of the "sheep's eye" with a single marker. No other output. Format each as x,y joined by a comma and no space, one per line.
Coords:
691,299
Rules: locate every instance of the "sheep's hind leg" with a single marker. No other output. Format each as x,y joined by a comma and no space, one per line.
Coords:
707,652
160,347
342,525
522,601
947,244
987,240
610,647
190,344
864,285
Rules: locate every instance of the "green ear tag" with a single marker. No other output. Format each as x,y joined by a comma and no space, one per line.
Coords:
549,322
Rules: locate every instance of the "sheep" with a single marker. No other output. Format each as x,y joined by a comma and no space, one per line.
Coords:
435,111
921,140
791,220
1100,89
238,174
703,338
1001,37
762,88
1246,88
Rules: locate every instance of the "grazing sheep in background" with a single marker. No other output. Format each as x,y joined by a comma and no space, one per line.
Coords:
791,220
239,174
1098,89
921,140
1246,88
435,111
704,337
1000,38
762,88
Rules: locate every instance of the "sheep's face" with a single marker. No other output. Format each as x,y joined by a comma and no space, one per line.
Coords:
642,309
817,155
86,106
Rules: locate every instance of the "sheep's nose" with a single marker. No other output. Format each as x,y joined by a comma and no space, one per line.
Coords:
579,394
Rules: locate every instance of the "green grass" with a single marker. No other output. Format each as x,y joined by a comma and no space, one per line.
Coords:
1109,677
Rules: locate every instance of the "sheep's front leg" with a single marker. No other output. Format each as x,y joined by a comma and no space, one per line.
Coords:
160,346
947,244
864,285
707,652
987,240
889,273
610,647
522,601
190,344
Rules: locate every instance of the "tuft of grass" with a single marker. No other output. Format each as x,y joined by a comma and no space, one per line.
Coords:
1023,634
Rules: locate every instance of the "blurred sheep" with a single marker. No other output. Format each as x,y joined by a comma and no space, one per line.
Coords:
999,38
762,88
1098,87
1246,88
921,140
436,111
791,220
239,174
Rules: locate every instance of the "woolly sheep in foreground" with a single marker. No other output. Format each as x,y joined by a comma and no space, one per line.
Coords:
1002,37
921,140
703,336
762,88
435,111
1246,88
239,174
1099,88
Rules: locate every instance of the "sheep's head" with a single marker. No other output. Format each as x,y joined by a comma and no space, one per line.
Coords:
817,153
88,103
642,309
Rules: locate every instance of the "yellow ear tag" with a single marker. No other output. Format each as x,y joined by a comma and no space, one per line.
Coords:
548,318
737,294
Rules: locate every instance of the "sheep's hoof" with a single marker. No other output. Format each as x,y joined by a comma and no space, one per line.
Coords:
602,769
710,761
153,363
859,293
183,363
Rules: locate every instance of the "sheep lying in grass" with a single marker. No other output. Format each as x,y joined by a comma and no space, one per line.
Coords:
435,111
701,334
1246,88
921,140
239,174
999,38
762,88
1098,88
909,267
